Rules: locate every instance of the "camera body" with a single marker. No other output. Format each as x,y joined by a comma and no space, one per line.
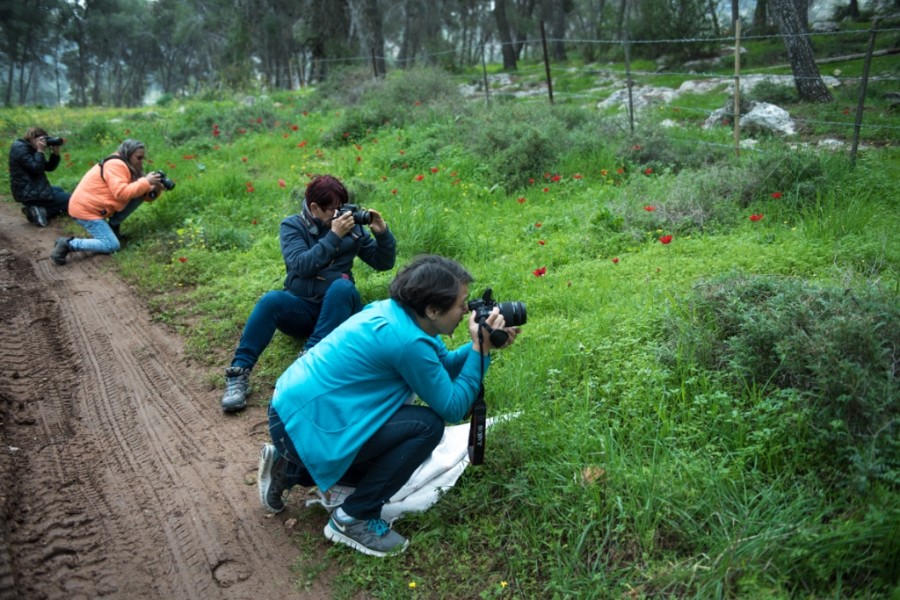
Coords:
164,181
54,141
360,217
514,314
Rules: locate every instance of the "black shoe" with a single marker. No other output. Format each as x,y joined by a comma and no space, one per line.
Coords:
60,251
36,215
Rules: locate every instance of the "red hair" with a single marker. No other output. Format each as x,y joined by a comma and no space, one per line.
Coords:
327,192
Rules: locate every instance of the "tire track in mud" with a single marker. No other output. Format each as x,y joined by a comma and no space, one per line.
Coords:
120,476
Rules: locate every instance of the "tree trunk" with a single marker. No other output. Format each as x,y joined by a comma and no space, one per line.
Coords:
803,13
800,53
374,23
503,31
558,30
853,9
760,14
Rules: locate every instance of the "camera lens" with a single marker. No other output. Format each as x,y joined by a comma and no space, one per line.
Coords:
362,217
514,313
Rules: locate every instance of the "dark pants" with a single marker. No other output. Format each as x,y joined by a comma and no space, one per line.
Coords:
56,205
383,464
296,317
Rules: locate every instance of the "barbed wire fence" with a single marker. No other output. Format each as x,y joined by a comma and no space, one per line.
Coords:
625,78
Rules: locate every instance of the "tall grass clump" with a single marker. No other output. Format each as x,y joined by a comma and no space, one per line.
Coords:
418,95
833,351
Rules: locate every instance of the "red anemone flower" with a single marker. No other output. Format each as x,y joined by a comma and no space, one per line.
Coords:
615,260
648,171
776,195
540,271
182,259
665,239
649,208
521,200
538,224
281,183
420,177
755,218
555,178
541,242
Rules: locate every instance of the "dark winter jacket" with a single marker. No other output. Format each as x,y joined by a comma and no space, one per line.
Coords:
27,173
315,256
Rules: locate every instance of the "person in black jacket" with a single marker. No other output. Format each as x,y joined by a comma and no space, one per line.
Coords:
318,246
28,167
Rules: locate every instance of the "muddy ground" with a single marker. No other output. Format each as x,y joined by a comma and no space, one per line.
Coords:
119,475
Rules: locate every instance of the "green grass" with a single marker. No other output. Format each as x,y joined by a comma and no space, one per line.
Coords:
635,468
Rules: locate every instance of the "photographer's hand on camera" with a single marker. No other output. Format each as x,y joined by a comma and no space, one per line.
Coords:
342,224
154,179
482,343
40,144
377,225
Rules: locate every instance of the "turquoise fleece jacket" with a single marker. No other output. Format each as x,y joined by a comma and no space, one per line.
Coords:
339,393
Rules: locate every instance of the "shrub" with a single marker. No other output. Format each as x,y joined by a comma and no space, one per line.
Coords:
836,347
799,174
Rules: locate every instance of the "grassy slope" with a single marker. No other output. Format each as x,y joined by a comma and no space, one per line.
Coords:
624,474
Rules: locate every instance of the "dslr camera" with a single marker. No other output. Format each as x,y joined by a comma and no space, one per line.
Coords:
165,182
514,314
360,216
54,141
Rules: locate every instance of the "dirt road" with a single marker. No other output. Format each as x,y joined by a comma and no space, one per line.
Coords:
119,475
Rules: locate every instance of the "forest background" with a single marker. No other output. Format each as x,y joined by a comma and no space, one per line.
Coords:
126,52
706,387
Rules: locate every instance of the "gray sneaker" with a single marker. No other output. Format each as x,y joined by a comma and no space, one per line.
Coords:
271,478
373,537
237,382
60,251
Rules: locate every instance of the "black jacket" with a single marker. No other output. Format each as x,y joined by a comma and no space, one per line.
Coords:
27,173
314,256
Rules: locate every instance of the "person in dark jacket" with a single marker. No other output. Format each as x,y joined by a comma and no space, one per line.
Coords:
28,168
318,245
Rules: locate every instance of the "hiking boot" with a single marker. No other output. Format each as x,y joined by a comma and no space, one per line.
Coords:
373,537
60,250
237,382
271,478
37,215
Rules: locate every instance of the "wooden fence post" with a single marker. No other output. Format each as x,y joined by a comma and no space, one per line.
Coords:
626,47
863,84
487,91
547,62
737,88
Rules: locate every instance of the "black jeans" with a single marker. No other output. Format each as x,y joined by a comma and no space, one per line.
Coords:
383,464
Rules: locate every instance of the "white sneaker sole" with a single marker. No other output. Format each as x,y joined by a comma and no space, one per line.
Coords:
264,475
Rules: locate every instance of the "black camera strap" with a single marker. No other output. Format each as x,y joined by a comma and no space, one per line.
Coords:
478,420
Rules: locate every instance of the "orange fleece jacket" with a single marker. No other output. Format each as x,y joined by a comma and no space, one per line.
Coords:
95,198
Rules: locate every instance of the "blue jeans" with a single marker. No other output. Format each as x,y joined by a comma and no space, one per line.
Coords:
103,241
296,317
383,464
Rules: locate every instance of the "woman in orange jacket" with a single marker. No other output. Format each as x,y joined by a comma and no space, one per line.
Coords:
112,189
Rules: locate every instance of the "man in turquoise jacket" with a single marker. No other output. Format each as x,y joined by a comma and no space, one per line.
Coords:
343,408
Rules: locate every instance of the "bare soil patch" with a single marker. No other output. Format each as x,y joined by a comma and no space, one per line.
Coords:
119,475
